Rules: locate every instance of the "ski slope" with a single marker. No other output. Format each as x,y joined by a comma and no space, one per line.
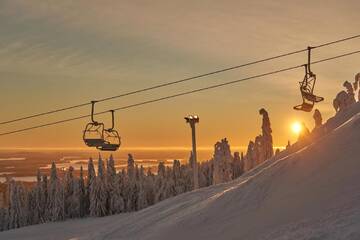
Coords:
310,191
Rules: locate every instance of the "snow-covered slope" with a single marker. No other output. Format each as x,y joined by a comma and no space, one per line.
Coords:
310,192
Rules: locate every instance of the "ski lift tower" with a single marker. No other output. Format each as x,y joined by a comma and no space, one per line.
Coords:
192,120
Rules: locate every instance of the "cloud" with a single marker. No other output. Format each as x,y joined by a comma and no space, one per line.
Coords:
102,34
86,49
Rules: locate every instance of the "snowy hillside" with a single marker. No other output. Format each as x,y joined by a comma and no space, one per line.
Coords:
310,192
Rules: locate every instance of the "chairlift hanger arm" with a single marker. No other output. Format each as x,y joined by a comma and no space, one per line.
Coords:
92,111
307,87
306,69
309,48
112,120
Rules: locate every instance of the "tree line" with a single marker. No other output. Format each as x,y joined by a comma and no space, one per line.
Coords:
104,191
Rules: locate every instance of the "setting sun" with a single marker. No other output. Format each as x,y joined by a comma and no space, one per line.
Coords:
296,127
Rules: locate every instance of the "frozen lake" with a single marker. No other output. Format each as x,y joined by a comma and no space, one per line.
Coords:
22,164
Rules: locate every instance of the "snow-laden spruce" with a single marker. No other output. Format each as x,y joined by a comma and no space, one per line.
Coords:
109,192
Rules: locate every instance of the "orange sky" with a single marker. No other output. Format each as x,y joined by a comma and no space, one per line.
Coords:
55,55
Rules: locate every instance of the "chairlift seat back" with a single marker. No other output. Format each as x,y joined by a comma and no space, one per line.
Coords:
311,97
93,135
94,142
112,140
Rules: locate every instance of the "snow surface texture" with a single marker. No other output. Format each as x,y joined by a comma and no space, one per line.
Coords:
310,191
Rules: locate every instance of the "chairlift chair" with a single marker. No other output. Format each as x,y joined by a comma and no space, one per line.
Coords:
307,88
111,138
93,135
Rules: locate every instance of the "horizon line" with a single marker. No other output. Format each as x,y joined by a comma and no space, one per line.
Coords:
143,148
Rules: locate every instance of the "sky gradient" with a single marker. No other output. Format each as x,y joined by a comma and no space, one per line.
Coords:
59,53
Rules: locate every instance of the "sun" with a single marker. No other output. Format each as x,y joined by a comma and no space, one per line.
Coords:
296,127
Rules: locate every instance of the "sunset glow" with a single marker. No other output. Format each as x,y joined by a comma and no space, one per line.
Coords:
54,64
179,119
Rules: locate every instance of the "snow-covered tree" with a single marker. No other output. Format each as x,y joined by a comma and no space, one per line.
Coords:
113,183
350,92
288,144
56,209
109,192
81,193
97,198
4,219
131,168
116,201
277,151
318,130
188,176
259,150
237,165
18,206
131,189
170,190
266,137
30,198
250,156
44,199
205,174
73,193
90,181
317,118
356,84
190,170
98,194
91,172
74,206
222,162
149,186
125,189
142,193
178,179
37,204
110,170
110,181
68,183
262,148
160,183
342,101
101,169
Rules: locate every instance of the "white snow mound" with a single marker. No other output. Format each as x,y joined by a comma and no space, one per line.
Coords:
310,192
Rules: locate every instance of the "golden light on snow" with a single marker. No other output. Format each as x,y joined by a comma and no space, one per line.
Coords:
296,127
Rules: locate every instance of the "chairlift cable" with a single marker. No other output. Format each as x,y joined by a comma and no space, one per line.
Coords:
178,81
181,94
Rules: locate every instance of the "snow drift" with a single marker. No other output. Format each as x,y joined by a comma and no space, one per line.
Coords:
310,191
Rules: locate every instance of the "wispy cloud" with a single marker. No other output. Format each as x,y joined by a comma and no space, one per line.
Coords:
86,48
